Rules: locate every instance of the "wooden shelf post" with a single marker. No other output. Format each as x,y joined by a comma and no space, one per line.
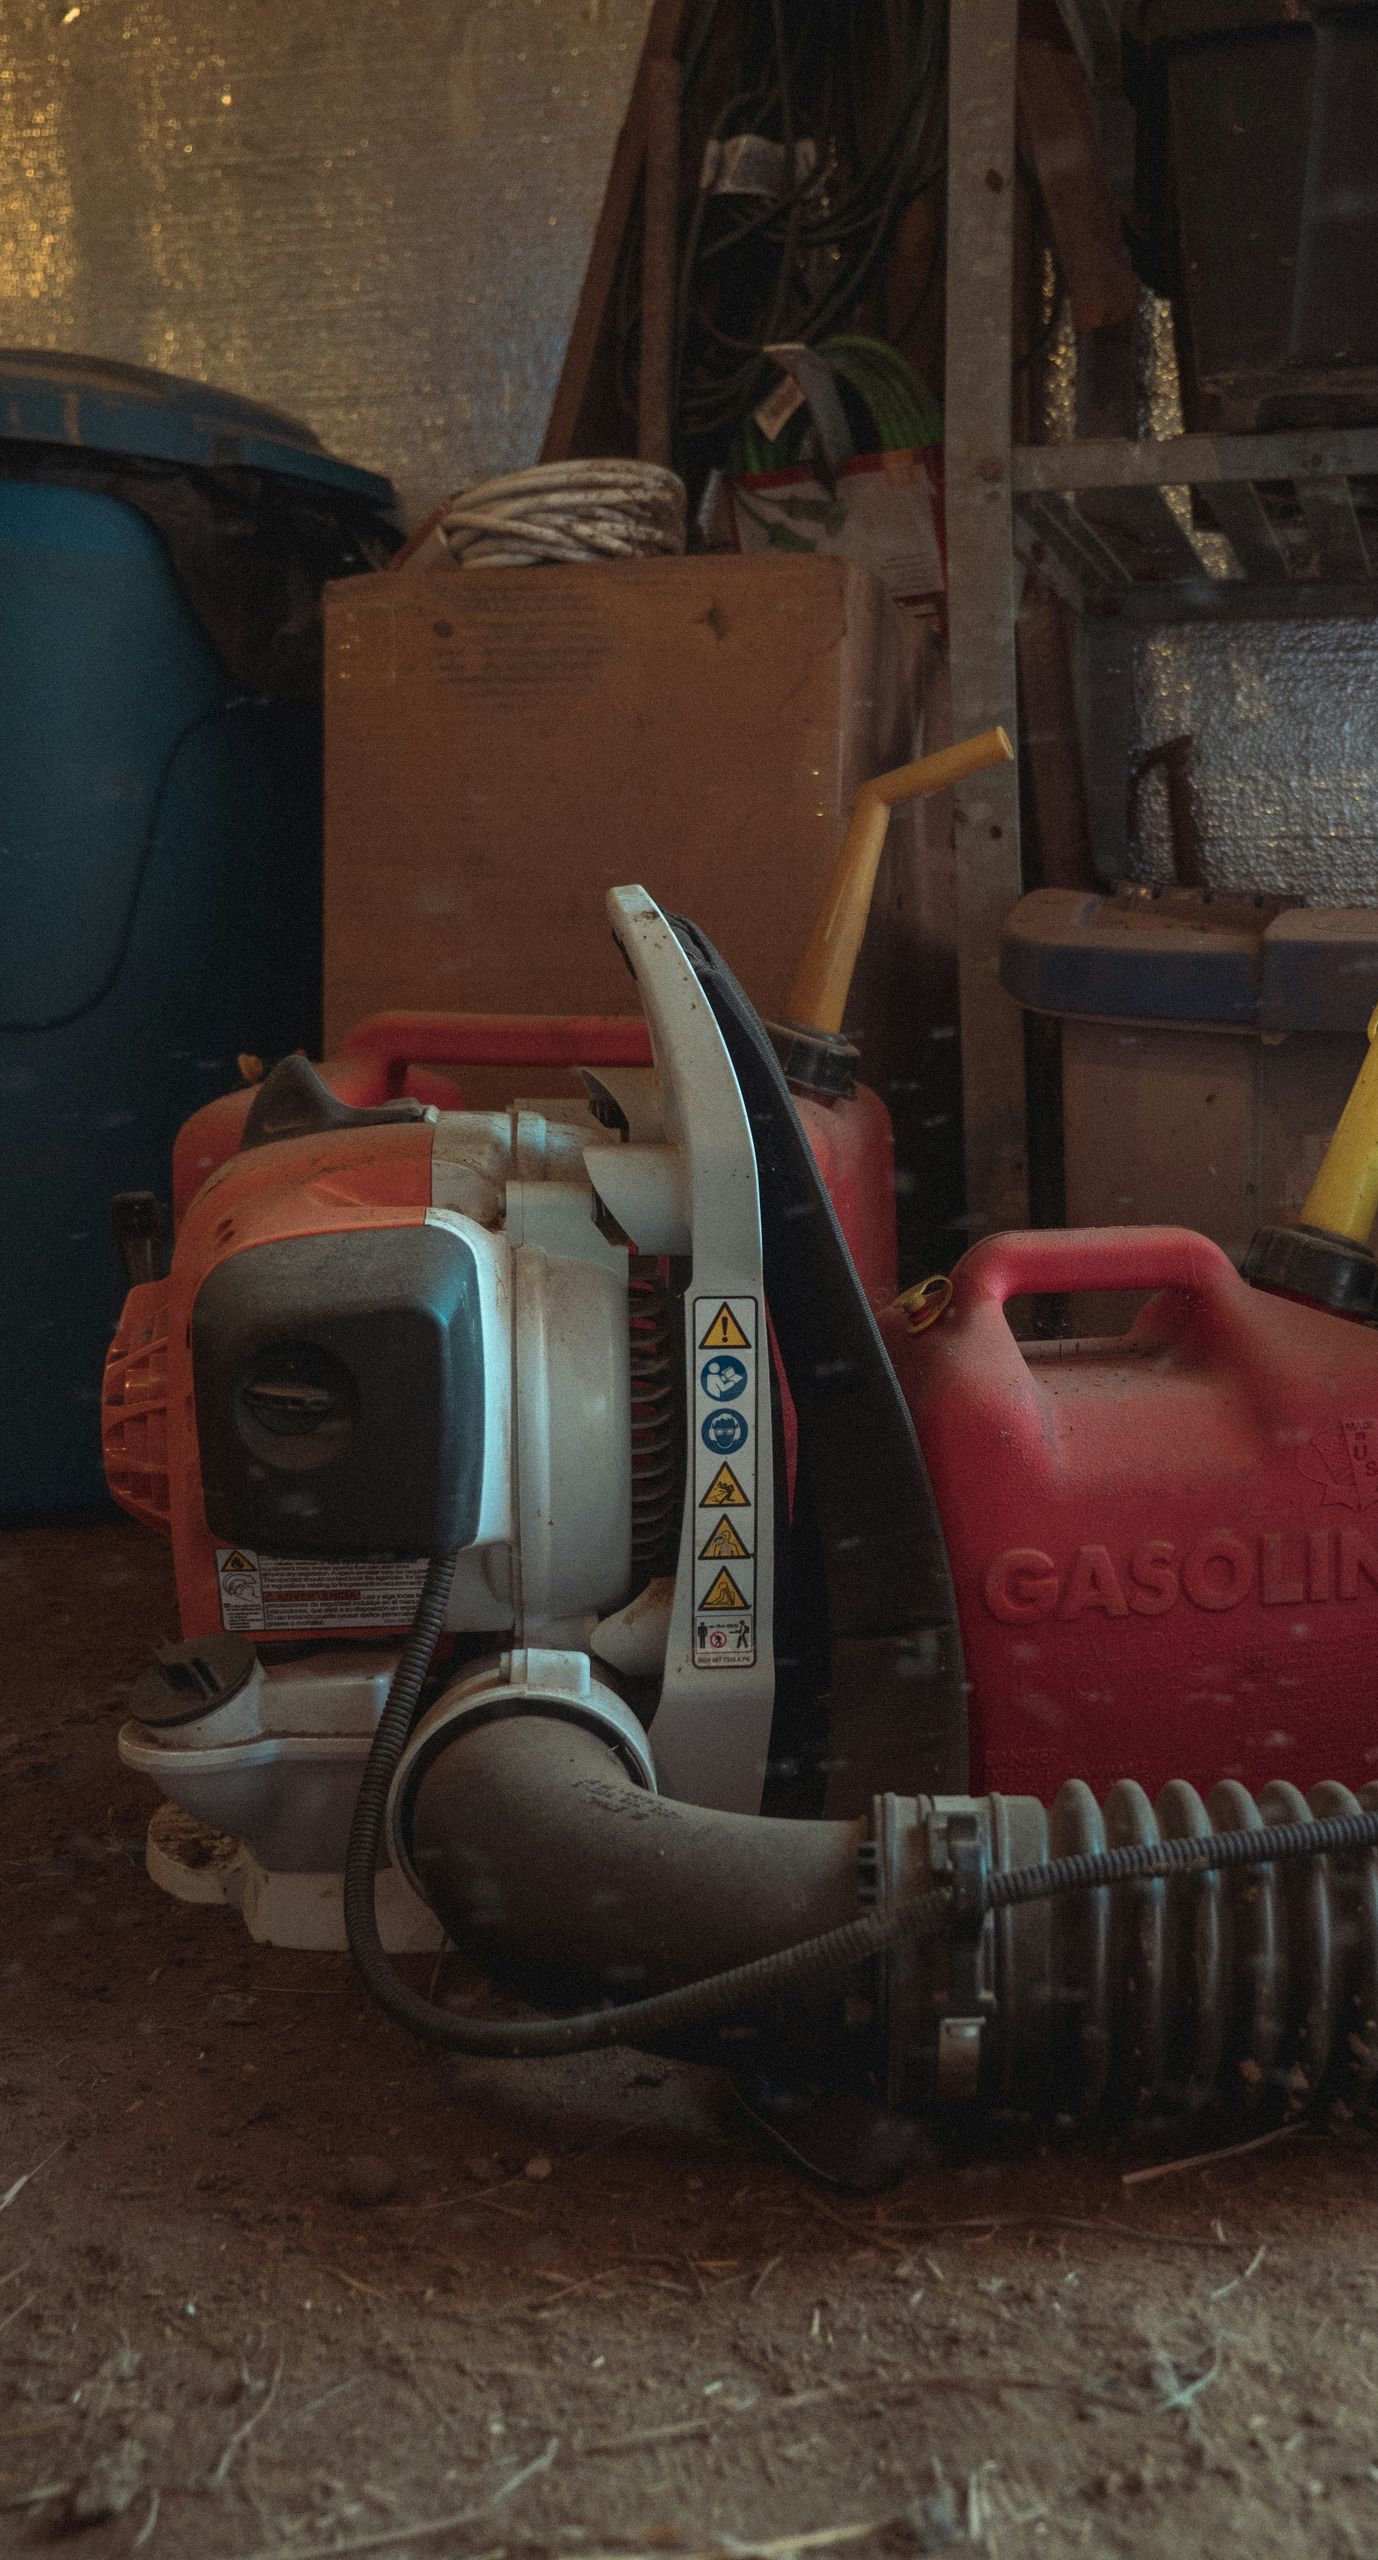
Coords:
981,584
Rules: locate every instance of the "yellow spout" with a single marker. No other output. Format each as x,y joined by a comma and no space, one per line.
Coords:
819,994
1344,1196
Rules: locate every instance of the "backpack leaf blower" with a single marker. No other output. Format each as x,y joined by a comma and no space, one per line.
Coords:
573,1564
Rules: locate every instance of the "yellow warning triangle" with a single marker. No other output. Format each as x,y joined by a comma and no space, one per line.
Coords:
723,1595
236,1563
723,1541
724,1493
724,1333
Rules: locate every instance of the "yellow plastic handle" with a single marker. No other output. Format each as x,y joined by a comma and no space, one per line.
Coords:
1344,1196
818,997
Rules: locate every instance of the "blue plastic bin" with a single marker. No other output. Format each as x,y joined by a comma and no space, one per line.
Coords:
160,826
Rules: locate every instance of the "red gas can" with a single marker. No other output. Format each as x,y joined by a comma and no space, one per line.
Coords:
1164,1548
854,1148
851,1137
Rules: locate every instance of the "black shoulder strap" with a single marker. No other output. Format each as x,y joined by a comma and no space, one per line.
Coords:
880,1548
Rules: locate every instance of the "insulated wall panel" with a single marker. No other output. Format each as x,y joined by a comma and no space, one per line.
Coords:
374,213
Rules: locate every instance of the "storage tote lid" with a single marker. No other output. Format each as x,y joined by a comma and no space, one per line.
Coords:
96,405
1184,955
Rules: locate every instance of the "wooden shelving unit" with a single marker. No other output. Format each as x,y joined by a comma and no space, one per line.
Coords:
1298,515
1264,527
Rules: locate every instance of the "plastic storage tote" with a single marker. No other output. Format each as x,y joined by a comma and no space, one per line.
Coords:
1208,1047
162,549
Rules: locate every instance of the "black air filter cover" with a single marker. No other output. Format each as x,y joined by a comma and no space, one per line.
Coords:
340,1393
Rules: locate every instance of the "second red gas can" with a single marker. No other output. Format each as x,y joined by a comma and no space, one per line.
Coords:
1164,1548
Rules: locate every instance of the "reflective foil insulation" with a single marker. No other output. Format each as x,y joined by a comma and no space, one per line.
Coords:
373,215
1284,715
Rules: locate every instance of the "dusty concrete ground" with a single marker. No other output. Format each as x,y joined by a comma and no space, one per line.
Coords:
594,2317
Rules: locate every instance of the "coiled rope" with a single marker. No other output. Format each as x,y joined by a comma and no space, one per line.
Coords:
564,511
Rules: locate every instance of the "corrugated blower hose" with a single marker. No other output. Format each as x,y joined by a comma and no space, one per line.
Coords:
1303,1975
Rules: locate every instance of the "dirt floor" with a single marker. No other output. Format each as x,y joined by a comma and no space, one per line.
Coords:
591,2315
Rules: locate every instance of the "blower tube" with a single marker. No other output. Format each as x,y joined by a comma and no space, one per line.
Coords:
508,1829
742,1986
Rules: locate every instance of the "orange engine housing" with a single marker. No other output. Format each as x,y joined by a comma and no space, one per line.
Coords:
379,1177
226,1200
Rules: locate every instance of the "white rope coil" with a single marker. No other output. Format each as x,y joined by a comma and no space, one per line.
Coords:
565,511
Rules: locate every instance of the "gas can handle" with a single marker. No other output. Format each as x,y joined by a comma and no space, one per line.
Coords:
1067,1260
396,1041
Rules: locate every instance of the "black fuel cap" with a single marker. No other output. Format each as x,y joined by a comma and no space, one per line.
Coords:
1309,1263
822,1064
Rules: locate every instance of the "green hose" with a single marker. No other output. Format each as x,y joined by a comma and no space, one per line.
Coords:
903,412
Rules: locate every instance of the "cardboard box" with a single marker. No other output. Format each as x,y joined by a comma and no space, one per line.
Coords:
505,745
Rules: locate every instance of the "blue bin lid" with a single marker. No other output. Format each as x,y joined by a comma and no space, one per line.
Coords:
95,404
1182,955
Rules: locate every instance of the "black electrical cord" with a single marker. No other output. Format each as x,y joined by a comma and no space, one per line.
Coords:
871,98
795,265
746,1986
142,860
1007,1887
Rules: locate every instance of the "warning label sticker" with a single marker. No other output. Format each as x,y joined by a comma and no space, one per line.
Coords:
280,1595
722,1593
726,1332
722,1644
722,1542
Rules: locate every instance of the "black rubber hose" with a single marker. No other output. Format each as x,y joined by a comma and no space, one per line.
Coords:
745,1986
539,1851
